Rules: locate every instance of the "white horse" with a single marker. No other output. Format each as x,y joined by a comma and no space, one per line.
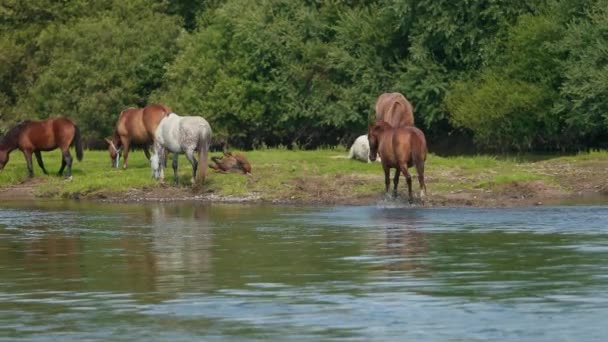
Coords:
360,149
181,134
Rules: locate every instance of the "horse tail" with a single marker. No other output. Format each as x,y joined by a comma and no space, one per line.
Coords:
203,163
78,142
203,153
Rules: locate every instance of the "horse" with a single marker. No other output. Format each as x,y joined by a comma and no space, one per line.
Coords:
135,126
360,149
231,163
36,136
399,148
181,134
394,109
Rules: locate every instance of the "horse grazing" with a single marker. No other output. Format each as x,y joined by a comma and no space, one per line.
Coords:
394,109
231,163
181,134
399,148
36,136
360,149
135,126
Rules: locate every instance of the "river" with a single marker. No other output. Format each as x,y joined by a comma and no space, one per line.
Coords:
73,271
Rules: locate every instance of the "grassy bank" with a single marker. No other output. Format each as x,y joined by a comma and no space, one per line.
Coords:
315,176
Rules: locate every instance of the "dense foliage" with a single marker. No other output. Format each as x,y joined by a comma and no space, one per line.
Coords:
512,75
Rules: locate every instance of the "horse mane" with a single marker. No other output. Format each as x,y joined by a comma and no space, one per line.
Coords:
13,134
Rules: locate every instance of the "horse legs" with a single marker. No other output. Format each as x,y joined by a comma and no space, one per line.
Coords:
175,175
125,146
40,163
192,160
420,171
408,179
67,158
28,159
218,164
396,182
63,163
147,152
387,177
162,155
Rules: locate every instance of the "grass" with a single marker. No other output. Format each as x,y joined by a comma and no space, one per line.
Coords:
281,174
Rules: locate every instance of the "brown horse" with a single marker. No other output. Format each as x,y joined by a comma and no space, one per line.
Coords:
135,126
394,109
231,163
399,148
36,136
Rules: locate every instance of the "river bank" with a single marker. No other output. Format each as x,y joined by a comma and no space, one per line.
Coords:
324,177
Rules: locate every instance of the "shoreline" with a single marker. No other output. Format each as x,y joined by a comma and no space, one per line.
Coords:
458,199
325,177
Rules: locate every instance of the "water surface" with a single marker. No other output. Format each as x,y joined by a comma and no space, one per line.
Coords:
187,272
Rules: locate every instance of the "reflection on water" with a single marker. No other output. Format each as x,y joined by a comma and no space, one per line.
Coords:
186,271
181,239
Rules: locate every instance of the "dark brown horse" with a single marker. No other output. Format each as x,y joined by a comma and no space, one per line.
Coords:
135,126
36,136
394,109
399,148
231,163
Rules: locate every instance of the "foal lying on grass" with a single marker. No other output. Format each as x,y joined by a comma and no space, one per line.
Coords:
231,163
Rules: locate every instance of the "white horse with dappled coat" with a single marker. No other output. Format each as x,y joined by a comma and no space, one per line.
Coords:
181,134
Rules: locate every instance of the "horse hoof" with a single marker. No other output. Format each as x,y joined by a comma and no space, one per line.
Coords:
68,179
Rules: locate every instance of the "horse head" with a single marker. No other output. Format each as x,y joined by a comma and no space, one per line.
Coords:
114,150
373,135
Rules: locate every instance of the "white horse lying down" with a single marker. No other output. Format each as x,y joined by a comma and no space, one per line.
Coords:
181,134
360,149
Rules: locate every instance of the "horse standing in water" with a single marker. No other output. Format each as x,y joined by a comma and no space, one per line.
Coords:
182,134
32,137
394,109
135,126
399,148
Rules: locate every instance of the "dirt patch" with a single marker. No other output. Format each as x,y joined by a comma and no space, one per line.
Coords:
23,191
329,190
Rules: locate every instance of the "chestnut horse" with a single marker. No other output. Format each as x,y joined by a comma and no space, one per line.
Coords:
36,136
135,126
231,162
399,148
394,109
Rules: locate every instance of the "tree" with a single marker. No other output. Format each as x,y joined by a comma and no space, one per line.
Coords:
93,67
